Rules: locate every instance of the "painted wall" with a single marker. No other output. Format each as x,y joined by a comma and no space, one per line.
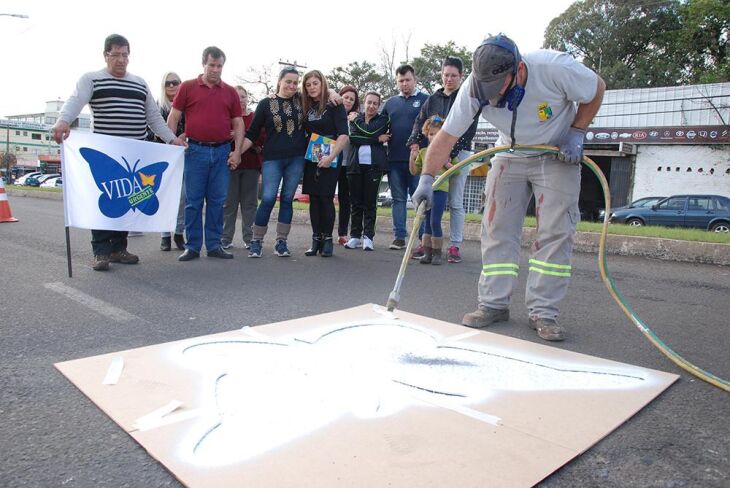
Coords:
676,169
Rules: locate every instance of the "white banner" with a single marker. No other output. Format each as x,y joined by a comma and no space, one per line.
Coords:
115,183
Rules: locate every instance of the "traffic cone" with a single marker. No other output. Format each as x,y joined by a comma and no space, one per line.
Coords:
5,214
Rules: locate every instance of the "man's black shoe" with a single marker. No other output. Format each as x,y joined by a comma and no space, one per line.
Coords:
219,253
166,243
179,241
188,255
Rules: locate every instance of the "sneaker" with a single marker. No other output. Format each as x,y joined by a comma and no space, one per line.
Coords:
123,257
418,253
247,245
280,249
100,263
483,317
454,256
547,329
354,243
255,251
367,244
342,240
397,244
226,245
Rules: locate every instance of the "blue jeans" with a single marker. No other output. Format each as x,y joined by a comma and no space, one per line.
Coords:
289,170
206,181
432,217
402,183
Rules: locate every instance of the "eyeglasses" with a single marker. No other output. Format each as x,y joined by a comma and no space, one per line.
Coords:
171,83
124,56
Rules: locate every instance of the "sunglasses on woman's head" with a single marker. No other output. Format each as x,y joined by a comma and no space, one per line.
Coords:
171,83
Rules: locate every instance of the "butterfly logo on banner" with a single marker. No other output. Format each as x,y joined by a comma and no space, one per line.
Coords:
123,188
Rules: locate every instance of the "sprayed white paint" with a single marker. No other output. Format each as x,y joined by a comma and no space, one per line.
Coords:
114,372
260,395
680,170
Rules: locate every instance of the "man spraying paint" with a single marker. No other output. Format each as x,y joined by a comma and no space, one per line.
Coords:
544,97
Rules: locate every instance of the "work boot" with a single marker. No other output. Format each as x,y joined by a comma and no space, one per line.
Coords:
100,263
327,247
436,244
316,245
547,329
427,250
484,316
166,243
124,257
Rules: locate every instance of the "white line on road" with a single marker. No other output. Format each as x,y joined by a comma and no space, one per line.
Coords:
99,306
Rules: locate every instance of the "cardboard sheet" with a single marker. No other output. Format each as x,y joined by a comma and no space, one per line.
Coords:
360,397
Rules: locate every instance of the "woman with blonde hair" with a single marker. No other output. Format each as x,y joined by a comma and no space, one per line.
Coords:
170,85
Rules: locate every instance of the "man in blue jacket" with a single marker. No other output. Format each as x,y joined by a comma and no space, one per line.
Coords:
402,110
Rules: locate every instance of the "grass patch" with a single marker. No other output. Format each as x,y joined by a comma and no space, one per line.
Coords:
676,233
33,188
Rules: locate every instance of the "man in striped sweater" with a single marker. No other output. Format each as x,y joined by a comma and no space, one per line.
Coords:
122,105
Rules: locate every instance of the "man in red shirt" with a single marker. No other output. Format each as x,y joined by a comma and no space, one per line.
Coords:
212,110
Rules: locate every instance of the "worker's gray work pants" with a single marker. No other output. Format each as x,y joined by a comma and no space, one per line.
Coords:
510,184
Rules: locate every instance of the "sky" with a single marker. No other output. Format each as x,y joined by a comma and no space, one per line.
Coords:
44,55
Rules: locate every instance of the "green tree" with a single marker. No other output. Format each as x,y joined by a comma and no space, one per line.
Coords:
630,43
428,63
362,76
704,37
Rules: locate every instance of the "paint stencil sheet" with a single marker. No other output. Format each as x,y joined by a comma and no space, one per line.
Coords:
359,397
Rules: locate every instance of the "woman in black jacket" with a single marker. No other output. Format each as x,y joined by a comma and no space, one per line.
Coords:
368,162
320,173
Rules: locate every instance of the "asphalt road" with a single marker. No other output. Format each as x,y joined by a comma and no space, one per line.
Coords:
52,435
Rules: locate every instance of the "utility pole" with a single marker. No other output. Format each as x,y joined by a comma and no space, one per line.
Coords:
292,63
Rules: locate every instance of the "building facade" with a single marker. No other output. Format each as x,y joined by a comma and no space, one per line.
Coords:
26,141
654,142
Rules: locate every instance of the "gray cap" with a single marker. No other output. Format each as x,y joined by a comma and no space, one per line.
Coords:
494,59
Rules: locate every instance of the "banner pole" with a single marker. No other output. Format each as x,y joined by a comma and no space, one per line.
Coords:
68,252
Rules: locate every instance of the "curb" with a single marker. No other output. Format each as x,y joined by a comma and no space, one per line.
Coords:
651,247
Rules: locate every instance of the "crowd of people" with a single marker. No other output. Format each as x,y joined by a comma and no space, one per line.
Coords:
234,156
227,146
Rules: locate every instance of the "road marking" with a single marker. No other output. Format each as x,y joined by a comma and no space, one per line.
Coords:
99,306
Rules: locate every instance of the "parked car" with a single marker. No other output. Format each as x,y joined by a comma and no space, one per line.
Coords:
711,212
56,182
22,180
641,202
385,199
298,195
37,180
